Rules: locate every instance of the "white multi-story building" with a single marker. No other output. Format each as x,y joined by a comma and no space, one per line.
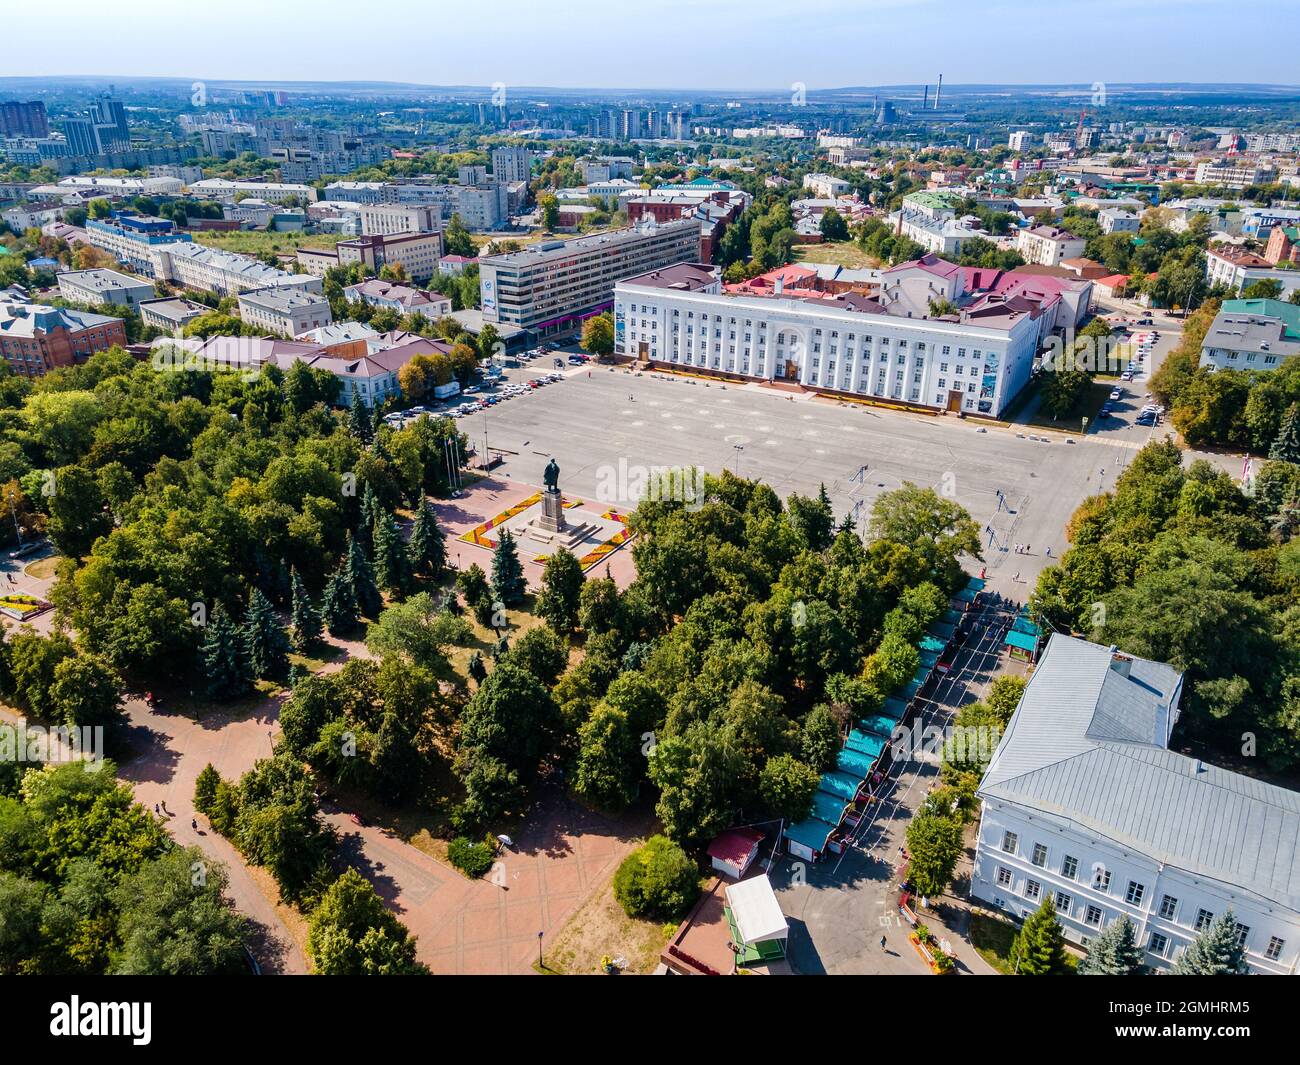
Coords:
1084,803
551,286
1252,335
1234,268
511,164
207,269
825,186
1229,175
885,349
401,298
31,215
223,189
1020,140
1116,221
286,311
94,287
119,186
943,236
385,219
1048,245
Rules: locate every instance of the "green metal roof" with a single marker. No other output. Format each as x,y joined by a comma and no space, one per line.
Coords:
1288,312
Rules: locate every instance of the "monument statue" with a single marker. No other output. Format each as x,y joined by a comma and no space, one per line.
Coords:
552,518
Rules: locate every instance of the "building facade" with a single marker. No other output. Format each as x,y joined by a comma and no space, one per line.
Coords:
35,339
286,311
94,287
1048,245
1084,803
551,286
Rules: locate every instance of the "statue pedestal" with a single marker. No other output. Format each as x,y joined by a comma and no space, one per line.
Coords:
552,518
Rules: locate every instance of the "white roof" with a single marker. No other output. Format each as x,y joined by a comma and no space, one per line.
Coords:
756,911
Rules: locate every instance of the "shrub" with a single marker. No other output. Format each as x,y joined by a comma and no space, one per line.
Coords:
657,880
472,859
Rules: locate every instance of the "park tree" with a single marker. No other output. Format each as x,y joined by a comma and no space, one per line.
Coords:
339,604
1039,947
392,566
560,600
305,618
419,630
598,606
359,423
934,527
476,668
226,666
935,845
598,336
657,880
86,691
352,933
1286,447
609,765
813,519
542,653
1115,952
361,577
787,786
1215,952
268,646
427,548
77,513
508,583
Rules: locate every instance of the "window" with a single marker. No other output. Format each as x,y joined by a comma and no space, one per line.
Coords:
1004,876
1159,944
1135,892
1070,867
1063,903
1274,950
1243,933
1092,916
1203,919
1101,878
1168,907
1040,856
1033,889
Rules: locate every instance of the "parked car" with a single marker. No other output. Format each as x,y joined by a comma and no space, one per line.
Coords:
32,547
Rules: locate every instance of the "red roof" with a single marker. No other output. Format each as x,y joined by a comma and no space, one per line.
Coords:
735,845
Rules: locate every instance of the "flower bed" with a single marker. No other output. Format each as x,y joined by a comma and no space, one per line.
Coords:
22,607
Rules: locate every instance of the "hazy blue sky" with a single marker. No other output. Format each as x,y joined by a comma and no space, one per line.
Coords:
730,44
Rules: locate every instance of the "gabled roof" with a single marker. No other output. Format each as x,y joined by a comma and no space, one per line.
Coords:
1087,748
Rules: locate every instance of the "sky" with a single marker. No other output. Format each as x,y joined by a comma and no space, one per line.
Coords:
661,44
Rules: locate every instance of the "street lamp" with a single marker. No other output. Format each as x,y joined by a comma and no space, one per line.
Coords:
540,964
738,448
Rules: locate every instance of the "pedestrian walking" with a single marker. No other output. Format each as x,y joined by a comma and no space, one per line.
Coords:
1049,552
882,942
155,807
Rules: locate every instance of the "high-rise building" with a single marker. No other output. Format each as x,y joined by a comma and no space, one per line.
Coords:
82,136
511,164
23,119
110,117
631,126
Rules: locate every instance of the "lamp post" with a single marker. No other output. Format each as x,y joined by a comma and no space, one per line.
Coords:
540,963
738,448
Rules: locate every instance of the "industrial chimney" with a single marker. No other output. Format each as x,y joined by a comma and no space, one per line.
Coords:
925,100
938,91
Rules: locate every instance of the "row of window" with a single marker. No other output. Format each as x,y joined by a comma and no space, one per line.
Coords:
1134,893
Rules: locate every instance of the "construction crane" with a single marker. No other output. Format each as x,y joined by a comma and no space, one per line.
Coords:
1078,132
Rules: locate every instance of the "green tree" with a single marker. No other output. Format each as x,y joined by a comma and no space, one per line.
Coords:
86,691
542,653
1039,947
226,667
339,604
359,423
508,583
361,577
77,512
608,770
352,933
598,336
1215,952
657,880
268,646
305,618
787,787
205,789
560,600
935,844
1286,447
392,567
1115,952
427,547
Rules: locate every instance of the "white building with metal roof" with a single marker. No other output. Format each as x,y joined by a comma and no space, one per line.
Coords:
1084,801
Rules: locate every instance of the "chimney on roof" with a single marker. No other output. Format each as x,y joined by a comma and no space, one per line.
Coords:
1121,664
779,287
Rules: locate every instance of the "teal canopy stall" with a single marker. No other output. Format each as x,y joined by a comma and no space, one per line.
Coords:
854,763
894,707
829,808
811,834
865,743
879,724
931,645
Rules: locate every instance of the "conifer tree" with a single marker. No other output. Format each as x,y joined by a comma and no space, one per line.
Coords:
392,567
1215,952
339,604
1113,953
268,646
427,547
306,618
1039,946
361,575
508,582
359,424
225,657
1286,448
477,669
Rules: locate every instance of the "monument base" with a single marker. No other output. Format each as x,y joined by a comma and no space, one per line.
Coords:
552,516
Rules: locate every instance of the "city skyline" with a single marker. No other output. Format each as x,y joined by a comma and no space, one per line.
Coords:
725,45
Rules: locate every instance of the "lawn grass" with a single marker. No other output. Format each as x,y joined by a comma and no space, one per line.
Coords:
258,242
42,568
992,936
841,253
1088,404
